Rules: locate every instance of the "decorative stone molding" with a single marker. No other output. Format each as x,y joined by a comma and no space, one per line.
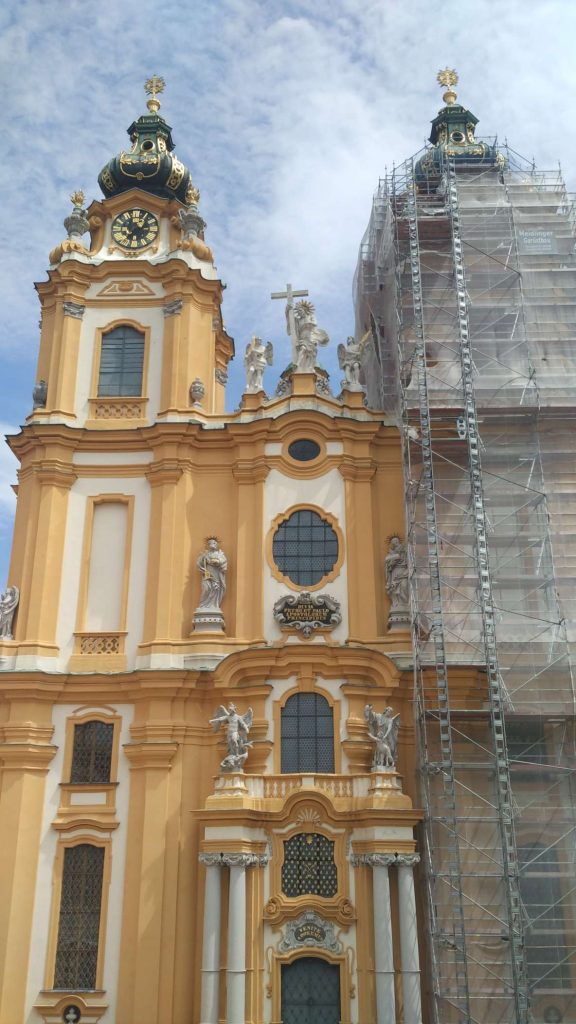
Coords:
118,409
172,308
233,860
309,930
100,643
221,376
408,859
373,860
73,309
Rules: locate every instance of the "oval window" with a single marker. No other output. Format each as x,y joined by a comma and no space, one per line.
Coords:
457,137
305,548
304,450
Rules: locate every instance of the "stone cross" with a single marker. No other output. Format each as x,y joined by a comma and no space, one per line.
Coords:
289,294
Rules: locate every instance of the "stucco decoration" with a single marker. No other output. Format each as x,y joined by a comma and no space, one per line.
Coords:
307,613
237,730
257,357
383,731
309,930
8,605
349,360
397,584
197,392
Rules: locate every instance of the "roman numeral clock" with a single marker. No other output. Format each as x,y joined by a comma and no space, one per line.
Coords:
135,229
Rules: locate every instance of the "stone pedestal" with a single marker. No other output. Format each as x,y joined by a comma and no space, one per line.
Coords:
399,620
208,620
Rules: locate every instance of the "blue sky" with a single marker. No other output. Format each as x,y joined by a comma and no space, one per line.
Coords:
287,114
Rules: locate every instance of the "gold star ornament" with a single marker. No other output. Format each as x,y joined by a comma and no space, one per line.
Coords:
448,77
153,86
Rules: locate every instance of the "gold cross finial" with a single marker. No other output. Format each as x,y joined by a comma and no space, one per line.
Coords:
153,86
448,78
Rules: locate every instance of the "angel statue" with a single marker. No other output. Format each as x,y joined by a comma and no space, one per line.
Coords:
383,731
8,604
349,361
308,337
238,727
257,357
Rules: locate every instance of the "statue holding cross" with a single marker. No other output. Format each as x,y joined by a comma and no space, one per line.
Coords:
302,329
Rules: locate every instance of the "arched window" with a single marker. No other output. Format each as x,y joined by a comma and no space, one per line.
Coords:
79,921
92,752
307,734
121,363
309,868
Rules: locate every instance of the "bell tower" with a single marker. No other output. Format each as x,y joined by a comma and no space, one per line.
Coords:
206,743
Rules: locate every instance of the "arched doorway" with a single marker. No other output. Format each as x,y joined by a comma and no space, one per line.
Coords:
310,991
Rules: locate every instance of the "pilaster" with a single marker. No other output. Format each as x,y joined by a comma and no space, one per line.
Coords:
163,612
145,928
25,756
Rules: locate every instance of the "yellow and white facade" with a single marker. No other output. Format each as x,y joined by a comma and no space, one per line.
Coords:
192,918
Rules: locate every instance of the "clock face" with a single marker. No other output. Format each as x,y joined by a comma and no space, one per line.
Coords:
134,229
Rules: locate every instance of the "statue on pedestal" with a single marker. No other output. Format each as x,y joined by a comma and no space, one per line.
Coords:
257,357
397,584
308,337
238,728
213,565
383,731
8,605
349,360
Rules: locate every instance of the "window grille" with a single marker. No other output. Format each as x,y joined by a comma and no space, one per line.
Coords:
307,734
309,867
121,363
79,923
305,548
92,752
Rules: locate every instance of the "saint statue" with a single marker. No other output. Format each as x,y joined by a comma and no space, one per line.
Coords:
397,586
349,361
237,730
383,731
8,604
307,336
257,357
213,565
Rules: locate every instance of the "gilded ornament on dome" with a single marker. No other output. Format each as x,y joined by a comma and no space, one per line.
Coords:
177,173
192,195
447,77
153,86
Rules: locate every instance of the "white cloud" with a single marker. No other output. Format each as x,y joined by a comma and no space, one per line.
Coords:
287,113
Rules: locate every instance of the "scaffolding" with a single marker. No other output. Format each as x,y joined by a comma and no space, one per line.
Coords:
466,296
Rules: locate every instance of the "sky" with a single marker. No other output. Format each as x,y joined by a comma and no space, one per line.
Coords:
287,112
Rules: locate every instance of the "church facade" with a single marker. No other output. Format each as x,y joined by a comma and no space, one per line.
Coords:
208,802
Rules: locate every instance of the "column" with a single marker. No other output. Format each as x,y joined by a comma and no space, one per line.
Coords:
236,966
211,938
383,951
409,938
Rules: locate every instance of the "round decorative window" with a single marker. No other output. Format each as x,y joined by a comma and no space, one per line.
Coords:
305,548
457,137
304,450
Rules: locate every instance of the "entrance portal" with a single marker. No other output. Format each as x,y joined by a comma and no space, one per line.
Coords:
310,992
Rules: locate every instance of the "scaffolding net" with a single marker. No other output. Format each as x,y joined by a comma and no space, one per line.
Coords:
465,294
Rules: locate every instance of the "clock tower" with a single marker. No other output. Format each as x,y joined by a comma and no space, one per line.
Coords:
206,745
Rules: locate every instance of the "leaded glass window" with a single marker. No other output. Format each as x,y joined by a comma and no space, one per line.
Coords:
309,868
307,734
92,752
121,363
79,922
305,548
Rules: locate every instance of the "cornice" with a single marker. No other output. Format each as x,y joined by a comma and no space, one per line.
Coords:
150,755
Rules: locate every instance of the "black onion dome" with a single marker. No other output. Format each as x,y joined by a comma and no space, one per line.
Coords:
151,164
